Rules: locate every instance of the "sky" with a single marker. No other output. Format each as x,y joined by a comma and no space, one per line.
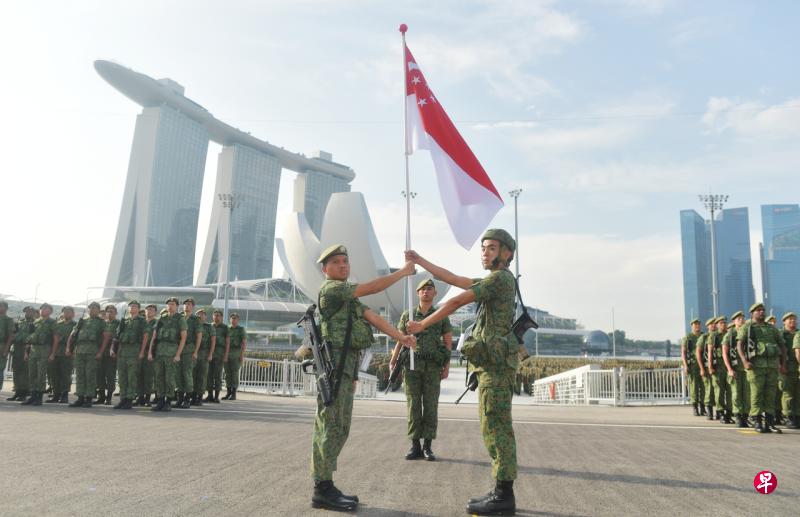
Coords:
610,115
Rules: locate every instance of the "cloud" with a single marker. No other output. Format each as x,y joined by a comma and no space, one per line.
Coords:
647,7
751,119
693,29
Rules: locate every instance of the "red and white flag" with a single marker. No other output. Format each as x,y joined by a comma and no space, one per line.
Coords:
469,197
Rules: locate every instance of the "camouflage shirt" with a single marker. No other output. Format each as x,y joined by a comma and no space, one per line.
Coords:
766,344
335,298
131,335
689,342
169,333
221,331
238,335
6,329
192,323
90,337
206,331
429,342
63,329
25,328
42,332
733,353
495,293
110,327
791,360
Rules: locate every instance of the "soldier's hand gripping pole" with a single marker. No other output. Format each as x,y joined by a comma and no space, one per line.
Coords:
322,363
472,385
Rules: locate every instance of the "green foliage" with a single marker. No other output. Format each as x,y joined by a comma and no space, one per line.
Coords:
539,367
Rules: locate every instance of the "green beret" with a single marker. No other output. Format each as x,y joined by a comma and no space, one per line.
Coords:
151,306
788,315
721,318
47,305
234,315
756,306
198,311
218,311
172,299
737,314
694,321
67,308
112,307
134,302
502,236
772,318
94,305
189,300
711,321
28,308
426,282
164,311
336,249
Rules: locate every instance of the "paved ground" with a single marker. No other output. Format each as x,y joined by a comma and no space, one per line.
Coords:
250,457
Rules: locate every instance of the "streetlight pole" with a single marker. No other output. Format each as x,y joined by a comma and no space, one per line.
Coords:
515,194
714,203
231,202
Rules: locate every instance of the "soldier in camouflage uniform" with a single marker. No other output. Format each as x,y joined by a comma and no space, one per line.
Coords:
737,377
221,348
778,411
690,367
493,352
232,360
6,336
24,328
170,339
145,385
788,382
431,365
701,354
127,351
762,347
60,368
88,344
184,378
107,369
719,374
338,304
202,356
39,344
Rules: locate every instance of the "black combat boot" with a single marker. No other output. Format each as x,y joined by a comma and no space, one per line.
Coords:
759,427
64,398
78,402
328,497
186,402
128,404
197,400
227,395
727,419
210,397
37,401
216,397
167,405
702,409
718,416
710,412
233,394
147,401
100,395
14,397
793,422
120,404
30,400
770,424
109,397
158,404
500,501
415,451
54,397
779,420
695,411
179,401
741,421
87,402
426,450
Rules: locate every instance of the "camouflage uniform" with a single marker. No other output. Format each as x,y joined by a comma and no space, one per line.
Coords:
130,344
18,364
696,390
332,423
60,370
763,376
41,342
107,368
200,372
493,351
88,343
788,382
237,335
146,373
740,388
214,382
722,390
169,336
423,383
708,384
6,331
186,366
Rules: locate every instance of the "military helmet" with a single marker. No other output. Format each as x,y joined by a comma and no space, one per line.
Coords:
501,236
67,308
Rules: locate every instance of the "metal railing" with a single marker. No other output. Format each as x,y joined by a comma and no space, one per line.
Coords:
366,386
275,377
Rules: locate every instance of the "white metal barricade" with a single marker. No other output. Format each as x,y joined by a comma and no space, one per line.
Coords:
269,376
366,387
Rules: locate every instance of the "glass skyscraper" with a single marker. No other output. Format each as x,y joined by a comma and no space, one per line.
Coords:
734,265
313,190
781,258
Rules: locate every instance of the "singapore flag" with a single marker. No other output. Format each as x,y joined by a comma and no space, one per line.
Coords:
469,197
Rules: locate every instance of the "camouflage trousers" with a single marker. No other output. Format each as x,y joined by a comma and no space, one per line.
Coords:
790,386
740,391
3,362
106,373
422,387
86,374
708,390
722,390
214,380
20,369
495,390
331,429
184,378
128,375
232,371
165,372
37,367
695,382
60,374
200,373
145,377
763,382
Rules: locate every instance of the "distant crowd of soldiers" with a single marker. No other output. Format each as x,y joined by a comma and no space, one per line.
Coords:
161,362
745,372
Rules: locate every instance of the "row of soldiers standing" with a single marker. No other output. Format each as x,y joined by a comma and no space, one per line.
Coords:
176,357
747,371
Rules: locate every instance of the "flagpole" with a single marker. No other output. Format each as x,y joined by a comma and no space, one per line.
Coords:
409,292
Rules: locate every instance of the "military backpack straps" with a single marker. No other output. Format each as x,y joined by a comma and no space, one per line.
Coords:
733,353
751,348
345,346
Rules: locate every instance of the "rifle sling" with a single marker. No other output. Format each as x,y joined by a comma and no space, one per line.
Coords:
346,349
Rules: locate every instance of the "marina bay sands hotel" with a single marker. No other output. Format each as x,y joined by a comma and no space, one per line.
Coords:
156,237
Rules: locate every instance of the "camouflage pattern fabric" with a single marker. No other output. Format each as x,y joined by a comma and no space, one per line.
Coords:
107,369
788,383
6,330
696,389
722,390
163,366
128,363
18,364
215,367
331,429
237,335
146,374
763,377
185,369
89,342
41,341
200,373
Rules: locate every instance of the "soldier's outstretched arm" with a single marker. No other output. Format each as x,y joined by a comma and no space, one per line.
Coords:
446,309
384,326
439,272
383,282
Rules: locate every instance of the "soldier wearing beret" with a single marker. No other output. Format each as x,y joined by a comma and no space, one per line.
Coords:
87,343
39,344
493,352
719,374
184,379
739,387
701,354
107,369
59,369
6,336
171,338
339,304
431,365
788,382
132,339
221,348
762,347
145,376
690,368
234,356
23,329
202,357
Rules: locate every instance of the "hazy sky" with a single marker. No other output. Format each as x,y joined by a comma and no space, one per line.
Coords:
610,115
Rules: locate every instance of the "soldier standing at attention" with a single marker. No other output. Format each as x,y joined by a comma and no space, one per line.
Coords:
145,375
23,329
789,381
494,353
40,342
202,356
234,356
761,345
740,389
431,365
701,354
171,338
6,336
107,369
132,340
772,320
86,340
340,308
719,374
60,367
690,367
184,380
217,355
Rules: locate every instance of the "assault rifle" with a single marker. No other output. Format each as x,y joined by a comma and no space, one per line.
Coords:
154,337
322,363
118,335
472,385
394,374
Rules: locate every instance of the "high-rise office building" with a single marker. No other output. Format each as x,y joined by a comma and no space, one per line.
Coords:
313,191
780,256
734,265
